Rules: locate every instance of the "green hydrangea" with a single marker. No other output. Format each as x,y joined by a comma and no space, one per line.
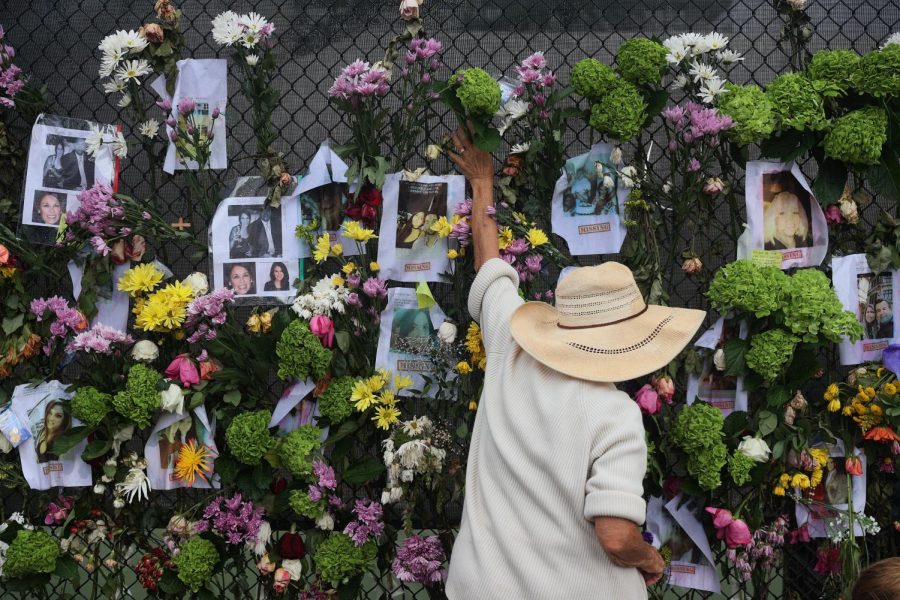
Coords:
300,353
739,467
750,109
796,103
335,404
879,72
812,309
744,285
248,436
338,559
621,112
858,136
301,504
698,426
834,67
641,61
592,79
31,552
90,405
478,92
770,351
140,398
297,449
705,465
195,562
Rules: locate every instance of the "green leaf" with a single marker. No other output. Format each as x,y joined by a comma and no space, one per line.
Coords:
778,396
343,340
735,352
768,421
170,584
232,397
829,185
205,594
364,471
656,102
462,430
70,439
96,449
12,323
66,568
196,400
778,449
487,140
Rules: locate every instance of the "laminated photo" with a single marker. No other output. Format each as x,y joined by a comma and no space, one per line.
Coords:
408,250
45,411
170,433
783,217
871,297
408,335
713,386
588,204
205,81
833,494
323,194
296,407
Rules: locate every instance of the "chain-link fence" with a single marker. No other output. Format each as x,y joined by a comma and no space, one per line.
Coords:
56,43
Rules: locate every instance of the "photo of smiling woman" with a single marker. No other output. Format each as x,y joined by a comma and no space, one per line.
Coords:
239,277
55,422
279,281
48,208
786,218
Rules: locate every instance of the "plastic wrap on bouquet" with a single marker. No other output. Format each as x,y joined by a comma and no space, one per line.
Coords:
323,195
713,386
787,227
408,335
205,81
253,248
870,297
833,494
171,432
408,248
588,208
59,168
45,410
296,407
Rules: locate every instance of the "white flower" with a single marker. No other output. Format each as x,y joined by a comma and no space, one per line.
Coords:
798,4
891,41
520,148
249,39
680,82
94,141
627,176
99,488
324,298
702,71
447,332
119,503
133,69
407,475
615,157
252,59
121,436
225,29
253,22
325,522
608,182
676,49
728,57
107,66
412,427
385,497
715,41
119,145
145,350
136,484
511,112
124,101
719,360
258,544
112,44
133,41
411,453
711,89
172,399
755,448
149,128
667,187
396,493
198,282
114,87
294,567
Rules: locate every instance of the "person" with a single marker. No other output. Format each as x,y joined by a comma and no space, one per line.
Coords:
239,279
53,172
331,206
786,223
57,421
880,581
48,209
870,325
77,167
885,317
278,278
557,453
265,235
239,238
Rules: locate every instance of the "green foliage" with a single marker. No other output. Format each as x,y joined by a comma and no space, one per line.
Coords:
248,436
195,562
335,404
592,79
796,103
300,353
31,552
812,309
739,467
744,285
621,112
478,92
301,504
297,449
90,405
338,559
858,136
834,67
750,109
879,72
641,61
770,352
140,398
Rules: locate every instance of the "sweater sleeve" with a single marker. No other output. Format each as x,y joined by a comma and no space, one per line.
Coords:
493,298
614,487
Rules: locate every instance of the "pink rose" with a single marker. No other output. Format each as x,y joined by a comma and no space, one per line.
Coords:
833,215
735,532
665,387
184,370
409,10
323,328
648,400
282,579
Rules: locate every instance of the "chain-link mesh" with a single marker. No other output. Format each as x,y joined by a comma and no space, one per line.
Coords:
56,43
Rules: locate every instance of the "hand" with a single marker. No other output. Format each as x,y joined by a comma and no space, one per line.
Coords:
653,570
473,162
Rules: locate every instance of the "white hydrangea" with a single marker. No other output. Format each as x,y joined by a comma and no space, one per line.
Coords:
324,298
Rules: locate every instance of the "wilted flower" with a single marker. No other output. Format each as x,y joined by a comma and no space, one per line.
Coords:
692,266
713,186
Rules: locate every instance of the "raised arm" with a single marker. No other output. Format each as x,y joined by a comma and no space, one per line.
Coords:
478,167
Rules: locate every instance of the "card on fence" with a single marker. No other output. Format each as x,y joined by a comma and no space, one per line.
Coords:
783,216
169,434
588,206
833,494
205,81
713,386
112,311
296,407
59,168
323,194
679,529
408,250
870,297
408,333
45,410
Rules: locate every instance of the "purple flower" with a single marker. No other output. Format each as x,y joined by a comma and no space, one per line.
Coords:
315,493
694,165
375,288
517,246
533,263
535,61
369,524
420,559
674,114
99,339
233,519
325,474
353,299
186,106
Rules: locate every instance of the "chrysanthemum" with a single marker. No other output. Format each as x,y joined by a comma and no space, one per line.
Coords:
322,249
536,237
702,71
133,69
149,128
385,416
140,279
354,231
136,483
716,41
194,460
362,395
94,141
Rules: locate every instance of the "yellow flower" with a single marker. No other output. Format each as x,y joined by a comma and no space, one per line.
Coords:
778,491
536,237
860,409
473,405
140,279
455,219
519,217
800,481
816,478
364,398
373,266
889,389
870,392
506,237
820,455
193,460
442,227
784,480
337,250
861,397
322,249
402,381
463,368
876,410
388,398
348,268
452,254
832,390
880,372
834,405
355,231
385,416
253,324
376,382
848,410
337,280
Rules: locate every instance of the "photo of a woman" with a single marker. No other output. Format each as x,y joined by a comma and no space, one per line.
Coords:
48,207
786,212
239,238
278,278
53,167
239,277
55,422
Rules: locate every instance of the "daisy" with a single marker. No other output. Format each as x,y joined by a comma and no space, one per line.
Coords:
711,89
691,39
94,141
253,23
225,29
125,100
149,128
412,428
715,41
115,86
108,65
136,483
133,41
133,69
119,146
729,57
702,71
385,416
252,59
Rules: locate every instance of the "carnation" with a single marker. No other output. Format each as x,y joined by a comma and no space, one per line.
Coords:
812,308
744,285
641,61
858,136
301,354
31,552
796,103
751,111
592,79
770,351
739,467
621,112
90,405
879,72
478,92
303,505
337,558
335,404
195,562
298,447
248,436
834,67
140,398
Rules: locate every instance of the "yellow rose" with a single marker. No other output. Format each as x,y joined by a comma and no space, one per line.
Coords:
452,254
253,324
784,480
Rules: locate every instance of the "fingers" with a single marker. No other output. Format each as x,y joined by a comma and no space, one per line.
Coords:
456,158
458,143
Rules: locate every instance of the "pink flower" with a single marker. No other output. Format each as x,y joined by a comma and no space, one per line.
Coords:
648,400
409,10
665,387
833,215
734,531
323,328
694,165
853,465
828,560
58,513
282,579
265,565
184,370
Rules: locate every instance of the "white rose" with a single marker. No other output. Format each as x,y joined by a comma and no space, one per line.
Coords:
433,151
325,522
615,157
409,10
172,399
755,448
99,488
447,332
119,503
719,359
198,282
145,350
294,567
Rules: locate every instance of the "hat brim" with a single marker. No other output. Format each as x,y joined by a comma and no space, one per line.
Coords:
608,353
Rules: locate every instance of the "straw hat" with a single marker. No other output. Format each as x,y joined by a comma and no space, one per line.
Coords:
601,328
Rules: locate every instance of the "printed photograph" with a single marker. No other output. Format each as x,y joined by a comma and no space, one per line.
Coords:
67,166
239,277
173,437
875,294
833,489
255,231
49,420
715,387
411,331
48,208
302,414
588,190
325,204
276,276
787,221
419,206
672,536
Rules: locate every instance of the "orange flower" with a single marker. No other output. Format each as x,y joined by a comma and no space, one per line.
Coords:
853,465
882,434
194,460
4,255
207,368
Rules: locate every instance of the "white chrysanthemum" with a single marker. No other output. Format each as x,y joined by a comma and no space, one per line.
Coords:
323,299
249,39
119,145
677,55
107,66
673,43
407,475
691,39
711,89
133,69
715,41
149,128
702,71
520,148
225,29
125,100
113,44
511,112
680,82
94,141
253,22
411,453
252,59
136,484
133,41
894,40
115,86
729,57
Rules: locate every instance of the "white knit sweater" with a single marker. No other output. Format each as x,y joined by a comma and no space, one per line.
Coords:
549,453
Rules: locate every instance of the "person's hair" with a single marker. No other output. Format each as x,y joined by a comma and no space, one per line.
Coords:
36,212
770,216
880,581
244,212
67,418
231,269
272,271
880,300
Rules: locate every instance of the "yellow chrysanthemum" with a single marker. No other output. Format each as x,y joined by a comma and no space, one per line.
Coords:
800,481
362,395
820,455
175,293
385,416
473,405
402,381
376,382
452,254
784,480
442,227
348,268
455,219
7,272
832,390
519,217
322,249
194,460
355,231
876,410
337,250
536,237
834,405
889,389
373,266
463,368
778,491
506,237
141,279
847,411
860,409
387,398
870,392
337,280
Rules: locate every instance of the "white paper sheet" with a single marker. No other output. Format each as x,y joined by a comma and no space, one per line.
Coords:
725,392
161,454
113,311
297,395
407,251
323,195
589,215
35,406
833,492
682,531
